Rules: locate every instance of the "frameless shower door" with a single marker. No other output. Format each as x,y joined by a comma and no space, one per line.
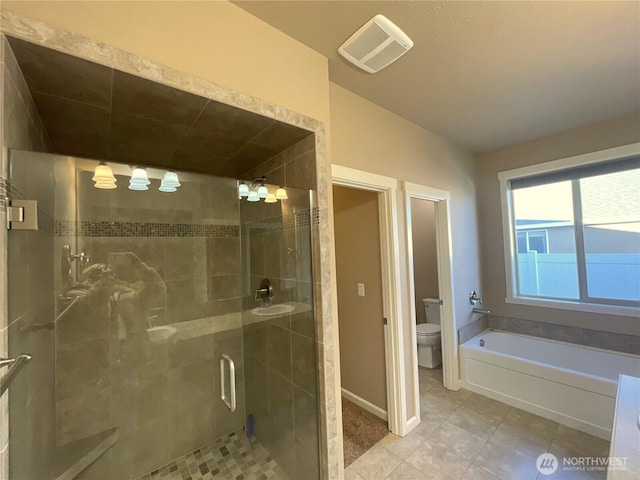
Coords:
280,349
151,357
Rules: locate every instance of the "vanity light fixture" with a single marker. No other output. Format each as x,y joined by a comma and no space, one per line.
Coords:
281,193
243,190
139,179
263,192
104,178
253,196
170,182
256,190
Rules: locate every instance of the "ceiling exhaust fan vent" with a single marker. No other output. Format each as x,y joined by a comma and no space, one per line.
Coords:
378,43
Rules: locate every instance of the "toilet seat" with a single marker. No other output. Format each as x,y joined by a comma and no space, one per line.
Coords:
427,329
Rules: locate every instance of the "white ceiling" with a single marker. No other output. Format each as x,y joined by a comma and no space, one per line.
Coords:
484,74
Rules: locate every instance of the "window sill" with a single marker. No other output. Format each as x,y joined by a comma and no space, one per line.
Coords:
576,306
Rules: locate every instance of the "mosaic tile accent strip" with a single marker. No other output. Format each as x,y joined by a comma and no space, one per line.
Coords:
228,458
88,228
3,194
300,218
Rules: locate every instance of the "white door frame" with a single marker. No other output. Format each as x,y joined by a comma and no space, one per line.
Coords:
386,187
442,200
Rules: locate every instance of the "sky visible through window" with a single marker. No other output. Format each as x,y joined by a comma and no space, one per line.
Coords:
544,202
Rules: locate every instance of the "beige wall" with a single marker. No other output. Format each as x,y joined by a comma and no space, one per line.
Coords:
357,241
367,137
425,253
214,40
613,133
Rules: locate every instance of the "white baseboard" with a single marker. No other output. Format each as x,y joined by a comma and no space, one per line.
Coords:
368,406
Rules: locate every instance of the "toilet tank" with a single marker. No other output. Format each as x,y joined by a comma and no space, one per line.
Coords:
432,307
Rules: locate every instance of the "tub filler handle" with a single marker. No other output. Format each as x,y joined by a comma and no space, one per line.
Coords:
229,400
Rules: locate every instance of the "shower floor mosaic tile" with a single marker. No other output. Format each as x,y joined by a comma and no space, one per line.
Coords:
228,458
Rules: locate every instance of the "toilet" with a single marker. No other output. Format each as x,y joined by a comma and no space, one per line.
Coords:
428,334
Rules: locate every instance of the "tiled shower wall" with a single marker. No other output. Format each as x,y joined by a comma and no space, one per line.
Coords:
280,354
31,395
164,396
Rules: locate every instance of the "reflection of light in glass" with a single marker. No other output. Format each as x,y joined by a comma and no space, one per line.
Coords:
139,179
281,193
169,182
103,176
253,196
243,190
271,198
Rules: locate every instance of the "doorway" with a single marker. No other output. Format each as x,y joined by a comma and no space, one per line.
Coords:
384,190
403,399
435,210
426,296
361,319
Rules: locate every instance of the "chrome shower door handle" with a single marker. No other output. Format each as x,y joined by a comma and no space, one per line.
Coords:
230,400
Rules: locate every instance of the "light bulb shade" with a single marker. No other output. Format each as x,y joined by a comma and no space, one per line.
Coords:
139,177
263,191
103,185
281,194
253,196
170,179
165,188
271,198
243,190
103,174
134,186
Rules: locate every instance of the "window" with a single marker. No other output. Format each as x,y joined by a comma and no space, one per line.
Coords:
575,231
532,240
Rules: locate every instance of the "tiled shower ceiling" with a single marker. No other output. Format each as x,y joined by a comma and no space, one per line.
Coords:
93,111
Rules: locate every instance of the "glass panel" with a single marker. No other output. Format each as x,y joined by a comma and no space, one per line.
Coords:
31,279
611,211
543,216
280,361
128,301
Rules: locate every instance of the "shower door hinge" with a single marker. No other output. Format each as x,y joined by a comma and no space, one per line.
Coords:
384,321
22,214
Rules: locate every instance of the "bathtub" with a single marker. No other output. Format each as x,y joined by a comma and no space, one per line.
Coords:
570,384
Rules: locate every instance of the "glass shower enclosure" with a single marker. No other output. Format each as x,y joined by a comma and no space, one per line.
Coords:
156,351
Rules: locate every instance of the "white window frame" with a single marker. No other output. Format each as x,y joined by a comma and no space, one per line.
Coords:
511,248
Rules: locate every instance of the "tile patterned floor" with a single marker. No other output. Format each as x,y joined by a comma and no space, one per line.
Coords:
228,458
465,436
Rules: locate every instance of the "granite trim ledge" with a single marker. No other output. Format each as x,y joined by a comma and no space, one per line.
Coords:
472,329
580,336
